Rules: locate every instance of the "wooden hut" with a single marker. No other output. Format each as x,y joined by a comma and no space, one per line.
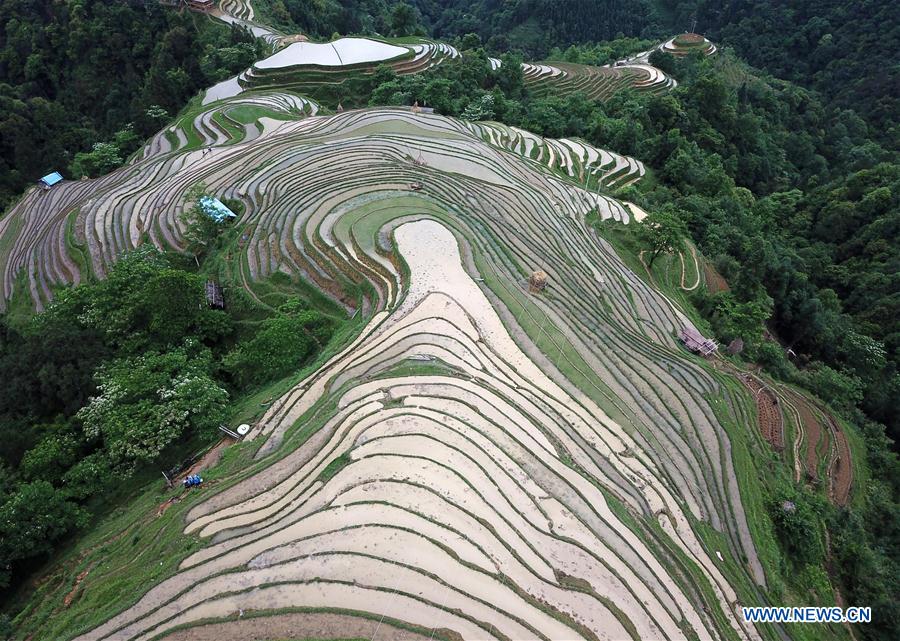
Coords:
50,179
696,342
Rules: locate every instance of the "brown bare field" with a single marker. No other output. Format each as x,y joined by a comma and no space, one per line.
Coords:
771,421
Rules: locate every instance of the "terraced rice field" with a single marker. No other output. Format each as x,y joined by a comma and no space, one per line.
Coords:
771,420
488,463
306,66
678,46
685,43
238,8
576,158
825,449
241,12
597,83
840,468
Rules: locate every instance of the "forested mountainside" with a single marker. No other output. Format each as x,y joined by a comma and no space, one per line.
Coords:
532,27
80,72
535,26
846,50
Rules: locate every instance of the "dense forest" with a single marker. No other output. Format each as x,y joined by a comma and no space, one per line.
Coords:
83,72
846,50
531,27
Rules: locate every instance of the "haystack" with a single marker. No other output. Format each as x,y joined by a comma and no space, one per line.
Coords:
537,282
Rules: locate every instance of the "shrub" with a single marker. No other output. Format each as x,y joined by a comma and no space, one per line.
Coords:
281,345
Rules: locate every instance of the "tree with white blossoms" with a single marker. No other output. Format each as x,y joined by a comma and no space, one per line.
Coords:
147,402
481,109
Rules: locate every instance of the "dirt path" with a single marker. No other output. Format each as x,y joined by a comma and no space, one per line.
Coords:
696,270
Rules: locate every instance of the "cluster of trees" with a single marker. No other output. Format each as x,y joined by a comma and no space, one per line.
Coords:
120,374
99,77
327,18
530,27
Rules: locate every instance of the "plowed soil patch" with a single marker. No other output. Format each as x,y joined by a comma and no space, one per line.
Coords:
840,471
771,423
812,429
208,460
71,595
714,281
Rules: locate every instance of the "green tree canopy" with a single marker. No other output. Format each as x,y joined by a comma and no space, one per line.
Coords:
282,344
31,519
147,402
662,231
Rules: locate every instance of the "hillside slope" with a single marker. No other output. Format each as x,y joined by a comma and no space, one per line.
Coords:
507,438
517,430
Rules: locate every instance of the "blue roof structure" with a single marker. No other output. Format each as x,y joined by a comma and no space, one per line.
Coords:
215,209
52,179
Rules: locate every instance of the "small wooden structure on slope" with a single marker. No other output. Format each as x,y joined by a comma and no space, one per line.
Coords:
736,346
696,342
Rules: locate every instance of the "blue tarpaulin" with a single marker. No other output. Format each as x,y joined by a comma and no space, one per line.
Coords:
215,209
51,179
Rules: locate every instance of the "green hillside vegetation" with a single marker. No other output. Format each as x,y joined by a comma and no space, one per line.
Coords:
136,372
846,51
74,74
530,27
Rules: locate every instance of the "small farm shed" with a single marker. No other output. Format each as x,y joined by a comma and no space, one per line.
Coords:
696,342
51,179
214,295
215,209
